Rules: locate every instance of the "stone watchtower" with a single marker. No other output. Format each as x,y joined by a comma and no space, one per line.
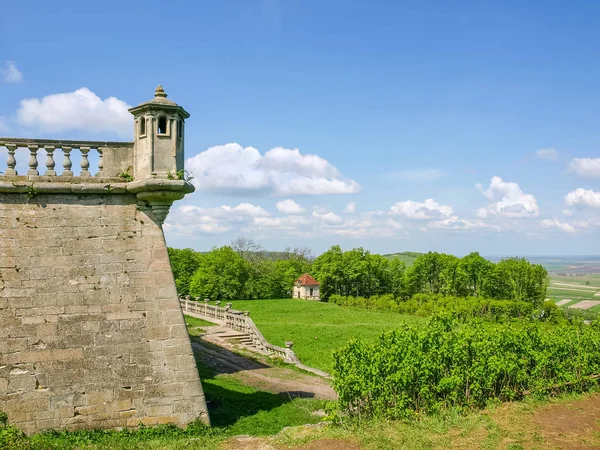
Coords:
91,331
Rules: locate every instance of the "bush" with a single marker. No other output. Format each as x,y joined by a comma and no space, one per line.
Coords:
425,305
410,370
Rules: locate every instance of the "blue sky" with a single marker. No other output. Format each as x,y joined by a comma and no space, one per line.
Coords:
397,125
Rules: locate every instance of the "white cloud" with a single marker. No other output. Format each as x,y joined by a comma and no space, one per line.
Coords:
79,110
289,224
190,219
350,208
456,223
418,174
553,223
567,212
233,169
585,167
289,207
429,209
10,73
508,200
326,216
583,197
549,154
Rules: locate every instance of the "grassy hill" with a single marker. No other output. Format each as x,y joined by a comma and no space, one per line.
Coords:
407,258
318,328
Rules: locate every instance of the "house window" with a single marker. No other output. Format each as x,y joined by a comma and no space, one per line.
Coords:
311,292
142,126
162,125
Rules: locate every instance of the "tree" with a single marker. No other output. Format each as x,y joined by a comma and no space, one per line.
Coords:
184,264
475,269
247,248
328,270
424,274
452,278
222,274
397,277
517,279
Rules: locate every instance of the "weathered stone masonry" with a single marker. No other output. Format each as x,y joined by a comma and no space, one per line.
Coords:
91,331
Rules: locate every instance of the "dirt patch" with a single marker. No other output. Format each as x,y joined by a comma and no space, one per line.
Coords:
573,425
257,443
329,444
585,304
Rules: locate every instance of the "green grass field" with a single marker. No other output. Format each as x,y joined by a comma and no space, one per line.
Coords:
318,328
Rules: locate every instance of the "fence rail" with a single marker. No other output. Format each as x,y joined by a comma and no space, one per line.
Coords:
239,321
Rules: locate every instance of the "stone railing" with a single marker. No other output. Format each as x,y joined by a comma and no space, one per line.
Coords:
239,321
114,158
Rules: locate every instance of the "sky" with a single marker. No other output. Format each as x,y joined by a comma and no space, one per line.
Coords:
450,126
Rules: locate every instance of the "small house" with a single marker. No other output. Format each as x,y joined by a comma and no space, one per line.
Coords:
306,287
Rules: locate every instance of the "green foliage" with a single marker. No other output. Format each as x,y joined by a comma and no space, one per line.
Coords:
464,308
510,279
181,174
240,271
245,270
32,192
357,272
411,371
184,264
517,279
221,274
144,437
126,176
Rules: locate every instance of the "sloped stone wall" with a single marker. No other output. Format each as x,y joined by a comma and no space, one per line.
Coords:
91,332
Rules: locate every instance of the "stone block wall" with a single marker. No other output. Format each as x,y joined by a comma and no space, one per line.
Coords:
91,332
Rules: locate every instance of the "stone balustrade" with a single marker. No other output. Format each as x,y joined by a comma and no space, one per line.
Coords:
114,158
239,321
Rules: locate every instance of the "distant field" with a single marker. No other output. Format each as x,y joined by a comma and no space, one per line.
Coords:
407,258
574,287
318,328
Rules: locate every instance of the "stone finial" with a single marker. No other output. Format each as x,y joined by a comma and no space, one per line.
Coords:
160,92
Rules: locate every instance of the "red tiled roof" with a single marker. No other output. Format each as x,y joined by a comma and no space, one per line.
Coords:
307,280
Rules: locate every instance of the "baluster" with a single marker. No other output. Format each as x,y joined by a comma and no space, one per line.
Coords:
33,162
50,172
67,164
11,162
100,163
85,163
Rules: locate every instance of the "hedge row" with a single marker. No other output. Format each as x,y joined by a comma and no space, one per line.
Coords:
444,365
464,308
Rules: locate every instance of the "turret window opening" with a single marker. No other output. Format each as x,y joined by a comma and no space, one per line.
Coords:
180,129
142,126
162,125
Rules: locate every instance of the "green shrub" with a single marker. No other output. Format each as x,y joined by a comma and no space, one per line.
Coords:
411,370
465,308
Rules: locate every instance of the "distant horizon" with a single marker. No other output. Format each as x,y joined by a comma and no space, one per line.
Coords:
487,256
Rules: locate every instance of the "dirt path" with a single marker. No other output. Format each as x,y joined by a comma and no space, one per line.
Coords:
259,373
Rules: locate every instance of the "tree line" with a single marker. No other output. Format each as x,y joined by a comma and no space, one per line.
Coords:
244,269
